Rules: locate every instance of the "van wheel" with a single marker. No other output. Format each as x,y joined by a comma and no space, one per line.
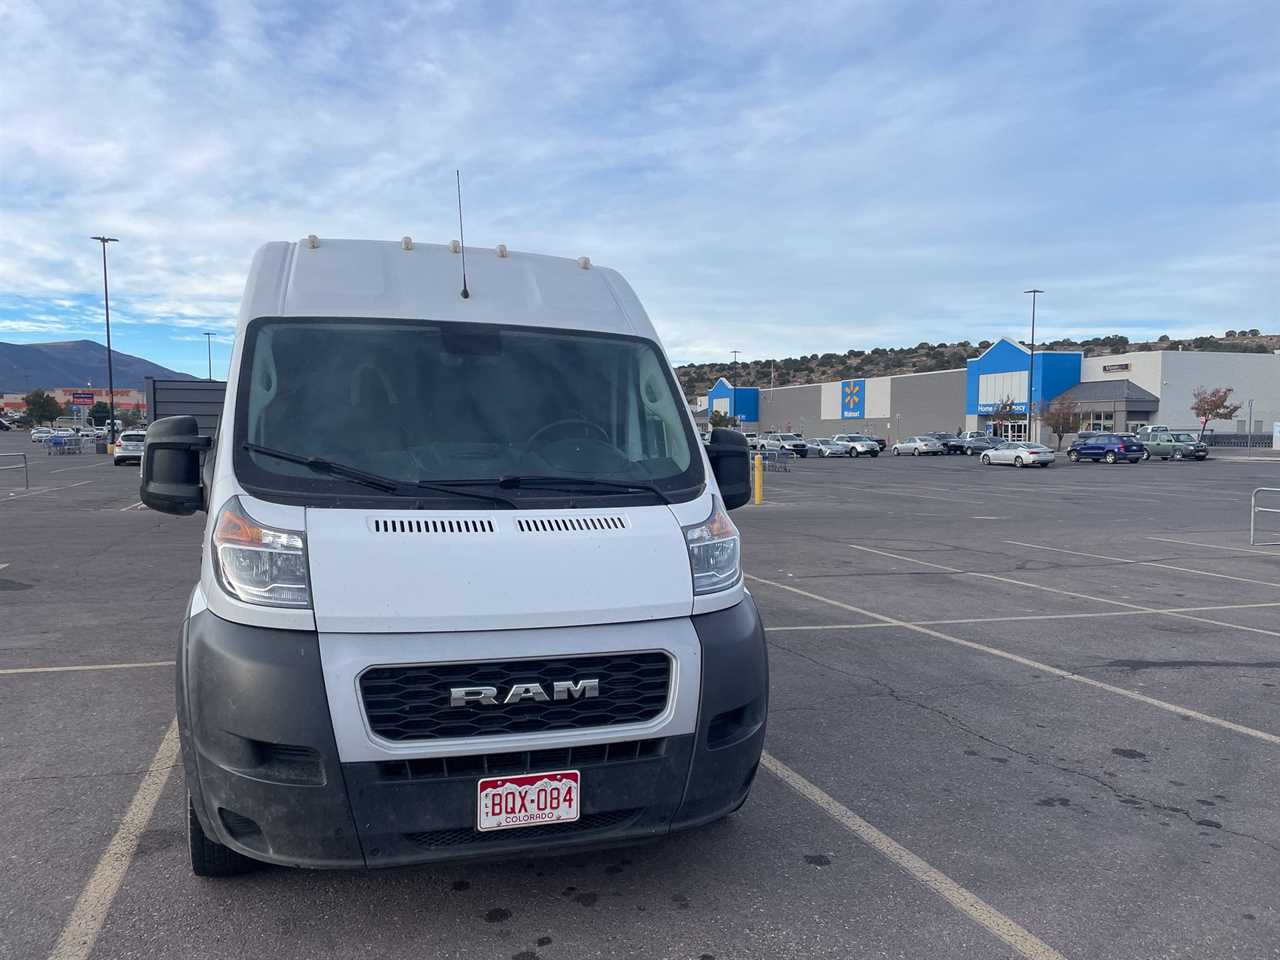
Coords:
1073,456
1110,457
1177,454
1146,455
208,857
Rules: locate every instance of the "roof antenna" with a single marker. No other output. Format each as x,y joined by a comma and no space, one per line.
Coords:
462,240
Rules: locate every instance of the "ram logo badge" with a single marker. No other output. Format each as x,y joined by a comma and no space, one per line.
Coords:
519,692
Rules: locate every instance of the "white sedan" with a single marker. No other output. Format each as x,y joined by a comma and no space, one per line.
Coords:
917,446
1019,454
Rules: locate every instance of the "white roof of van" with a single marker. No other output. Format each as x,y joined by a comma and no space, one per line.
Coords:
395,280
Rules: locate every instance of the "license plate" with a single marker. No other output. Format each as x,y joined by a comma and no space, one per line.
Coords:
530,800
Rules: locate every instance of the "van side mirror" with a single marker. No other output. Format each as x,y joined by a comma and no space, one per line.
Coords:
730,462
171,466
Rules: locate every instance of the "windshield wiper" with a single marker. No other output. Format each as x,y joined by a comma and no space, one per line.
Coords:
587,485
375,480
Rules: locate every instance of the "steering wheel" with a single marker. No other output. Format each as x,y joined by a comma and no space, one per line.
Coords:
569,422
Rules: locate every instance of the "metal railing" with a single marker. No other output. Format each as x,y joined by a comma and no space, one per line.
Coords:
26,475
1254,510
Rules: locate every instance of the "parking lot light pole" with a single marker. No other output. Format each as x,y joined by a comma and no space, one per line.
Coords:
208,342
1031,360
106,306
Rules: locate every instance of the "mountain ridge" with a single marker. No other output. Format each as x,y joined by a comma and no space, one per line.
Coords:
73,363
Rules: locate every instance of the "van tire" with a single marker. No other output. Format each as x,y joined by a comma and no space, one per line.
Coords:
1073,456
1110,456
208,857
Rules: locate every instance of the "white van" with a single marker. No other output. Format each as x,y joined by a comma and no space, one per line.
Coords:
493,606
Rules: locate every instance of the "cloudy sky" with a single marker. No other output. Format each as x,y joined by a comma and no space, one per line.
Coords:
776,178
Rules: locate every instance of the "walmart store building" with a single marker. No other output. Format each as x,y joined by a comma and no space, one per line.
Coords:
1114,392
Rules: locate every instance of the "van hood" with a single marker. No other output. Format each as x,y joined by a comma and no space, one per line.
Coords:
383,571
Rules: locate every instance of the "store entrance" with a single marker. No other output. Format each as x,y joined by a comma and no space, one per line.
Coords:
1011,431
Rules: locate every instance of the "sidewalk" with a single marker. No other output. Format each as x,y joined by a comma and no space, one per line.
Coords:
1246,455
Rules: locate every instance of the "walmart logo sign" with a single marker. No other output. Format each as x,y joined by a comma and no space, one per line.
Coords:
851,394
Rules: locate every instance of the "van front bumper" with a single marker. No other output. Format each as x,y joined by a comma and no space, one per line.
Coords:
265,778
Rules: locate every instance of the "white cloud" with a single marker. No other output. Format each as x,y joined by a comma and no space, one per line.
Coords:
779,179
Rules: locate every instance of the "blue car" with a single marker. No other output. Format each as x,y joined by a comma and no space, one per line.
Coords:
1108,447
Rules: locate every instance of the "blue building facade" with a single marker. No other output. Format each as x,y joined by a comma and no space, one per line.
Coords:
1000,374
740,402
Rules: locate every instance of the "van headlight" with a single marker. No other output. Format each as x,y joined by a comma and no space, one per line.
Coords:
259,564
714,551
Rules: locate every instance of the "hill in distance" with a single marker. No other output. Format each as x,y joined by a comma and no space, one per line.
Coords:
697,378
73,363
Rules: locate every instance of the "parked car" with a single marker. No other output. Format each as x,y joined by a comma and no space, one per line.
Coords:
351,691
1173,446
975,435
951,443
1108,447
786,441
860,445
40,434
1019,453
4,426
129,447
974,445
917,446
753,441
827,447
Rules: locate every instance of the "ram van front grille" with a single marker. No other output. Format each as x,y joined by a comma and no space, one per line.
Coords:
416,702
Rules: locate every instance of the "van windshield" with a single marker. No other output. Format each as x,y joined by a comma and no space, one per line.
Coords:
426,402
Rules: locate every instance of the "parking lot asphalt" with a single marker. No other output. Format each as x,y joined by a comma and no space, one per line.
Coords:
1014,713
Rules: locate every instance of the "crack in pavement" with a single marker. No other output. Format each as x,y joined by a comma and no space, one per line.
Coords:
960,724
86,776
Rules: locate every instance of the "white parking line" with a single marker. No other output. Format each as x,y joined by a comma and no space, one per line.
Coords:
87,466
132,506
81,931
90,666
1215,546
3,565
1034,664
1146,563
1068,593
36,493
972,906
1031,616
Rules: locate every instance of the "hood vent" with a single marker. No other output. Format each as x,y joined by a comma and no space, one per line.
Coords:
415,525
570,524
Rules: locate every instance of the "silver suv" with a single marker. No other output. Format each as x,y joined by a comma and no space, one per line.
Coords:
129,447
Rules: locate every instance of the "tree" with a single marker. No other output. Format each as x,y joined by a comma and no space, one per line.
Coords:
41,407
719,419
1253,332
99,413
128,418
1060,418
1230,334
1163,338
1215,404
